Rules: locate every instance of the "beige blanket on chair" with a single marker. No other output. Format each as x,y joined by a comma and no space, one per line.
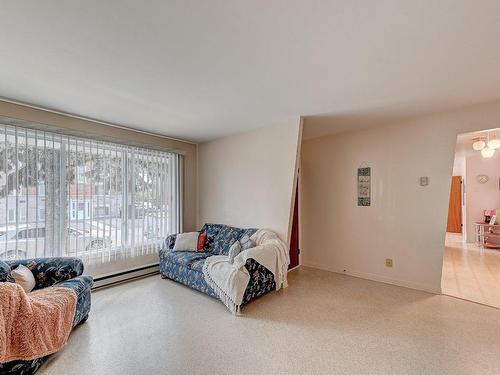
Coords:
36,324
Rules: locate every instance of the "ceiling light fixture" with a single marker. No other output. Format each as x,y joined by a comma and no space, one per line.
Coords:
487,152
486,145
478,144
494,143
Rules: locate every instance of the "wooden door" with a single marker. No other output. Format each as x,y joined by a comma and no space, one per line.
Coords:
294,238
455,206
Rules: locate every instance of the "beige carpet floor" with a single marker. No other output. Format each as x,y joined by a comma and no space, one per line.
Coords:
323,323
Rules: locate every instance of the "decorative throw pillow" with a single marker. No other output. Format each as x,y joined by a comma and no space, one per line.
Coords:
201,241
170,241
234,250
246,242
4,271
186,242
23,276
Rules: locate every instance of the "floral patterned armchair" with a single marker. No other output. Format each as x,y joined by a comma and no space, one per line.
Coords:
61,272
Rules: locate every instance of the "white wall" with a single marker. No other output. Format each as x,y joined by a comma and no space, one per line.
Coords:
459,165
481,197
406,222
247,180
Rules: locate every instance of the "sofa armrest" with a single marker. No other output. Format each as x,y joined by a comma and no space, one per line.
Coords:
48,271
261,281
79,284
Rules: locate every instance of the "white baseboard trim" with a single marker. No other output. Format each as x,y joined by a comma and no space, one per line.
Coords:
378,278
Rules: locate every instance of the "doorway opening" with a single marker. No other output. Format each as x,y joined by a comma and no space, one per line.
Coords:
471,262
294,238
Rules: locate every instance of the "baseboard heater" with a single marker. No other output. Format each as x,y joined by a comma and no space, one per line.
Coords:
128,275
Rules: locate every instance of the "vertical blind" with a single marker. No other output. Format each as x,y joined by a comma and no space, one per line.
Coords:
68,196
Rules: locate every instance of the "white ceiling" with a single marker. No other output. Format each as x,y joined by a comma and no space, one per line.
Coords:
199,70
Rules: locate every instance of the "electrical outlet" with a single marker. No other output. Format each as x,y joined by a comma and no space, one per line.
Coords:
388,262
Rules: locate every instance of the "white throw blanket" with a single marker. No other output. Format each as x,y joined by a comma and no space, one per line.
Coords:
230,281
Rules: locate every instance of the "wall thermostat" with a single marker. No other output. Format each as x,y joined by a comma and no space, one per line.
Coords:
424,180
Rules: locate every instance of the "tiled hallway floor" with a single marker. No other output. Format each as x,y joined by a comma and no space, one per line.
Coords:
470,272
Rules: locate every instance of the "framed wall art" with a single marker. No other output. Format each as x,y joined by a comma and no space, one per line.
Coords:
364,186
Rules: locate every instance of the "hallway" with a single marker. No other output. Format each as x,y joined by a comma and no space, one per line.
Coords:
470,272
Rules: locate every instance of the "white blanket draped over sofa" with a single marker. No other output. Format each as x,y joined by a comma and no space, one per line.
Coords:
230,281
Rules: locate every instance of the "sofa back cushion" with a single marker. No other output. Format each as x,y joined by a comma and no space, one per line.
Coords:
48,271
212,230
225,238
220,237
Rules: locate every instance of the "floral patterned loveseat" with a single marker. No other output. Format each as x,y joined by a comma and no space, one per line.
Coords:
186,267
61,272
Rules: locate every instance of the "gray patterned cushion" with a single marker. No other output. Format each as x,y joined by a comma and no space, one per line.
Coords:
234,250
246,242
249,232
170,241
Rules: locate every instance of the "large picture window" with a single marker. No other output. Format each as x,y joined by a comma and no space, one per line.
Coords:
109,204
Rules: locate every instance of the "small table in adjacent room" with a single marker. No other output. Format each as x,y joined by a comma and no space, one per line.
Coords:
488,235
